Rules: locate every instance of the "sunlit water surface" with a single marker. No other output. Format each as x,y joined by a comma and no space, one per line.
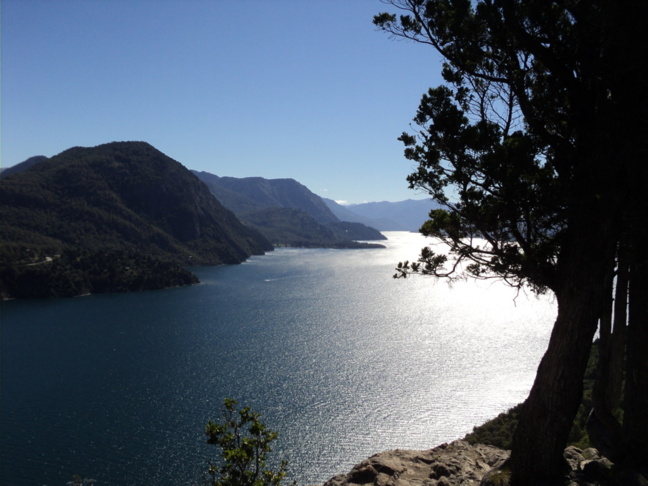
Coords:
338,357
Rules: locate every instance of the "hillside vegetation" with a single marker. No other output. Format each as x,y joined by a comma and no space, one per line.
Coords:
121,198
293,227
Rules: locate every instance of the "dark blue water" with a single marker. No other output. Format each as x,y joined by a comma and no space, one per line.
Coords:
337,356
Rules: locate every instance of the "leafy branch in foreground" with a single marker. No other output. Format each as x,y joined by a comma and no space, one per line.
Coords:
245,443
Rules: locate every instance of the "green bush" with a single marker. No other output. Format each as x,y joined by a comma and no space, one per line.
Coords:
245,443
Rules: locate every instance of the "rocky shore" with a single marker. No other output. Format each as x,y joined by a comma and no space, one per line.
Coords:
462,464
457,463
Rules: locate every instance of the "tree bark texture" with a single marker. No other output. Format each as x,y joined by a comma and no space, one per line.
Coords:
548,413
614,390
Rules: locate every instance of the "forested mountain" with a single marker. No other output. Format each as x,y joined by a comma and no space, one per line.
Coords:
121,198
287,212
406,215
293,227
23,165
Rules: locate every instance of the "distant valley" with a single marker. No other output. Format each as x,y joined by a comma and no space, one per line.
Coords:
123,216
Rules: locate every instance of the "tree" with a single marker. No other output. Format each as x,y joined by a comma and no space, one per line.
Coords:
245,443
535,148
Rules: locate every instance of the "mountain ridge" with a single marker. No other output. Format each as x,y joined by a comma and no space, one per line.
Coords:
407,215
287,212
243,195
24,165
123,197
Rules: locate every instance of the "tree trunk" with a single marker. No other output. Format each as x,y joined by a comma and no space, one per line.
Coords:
603,428
635,422
630,62
617,365
608,389
548,413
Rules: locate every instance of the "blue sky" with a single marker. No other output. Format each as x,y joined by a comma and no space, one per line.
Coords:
304,89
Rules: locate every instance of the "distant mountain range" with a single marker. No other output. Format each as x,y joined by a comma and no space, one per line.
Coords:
287,212
406,215
248,196
124,216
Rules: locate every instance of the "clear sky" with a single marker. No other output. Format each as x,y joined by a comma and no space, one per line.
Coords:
302,89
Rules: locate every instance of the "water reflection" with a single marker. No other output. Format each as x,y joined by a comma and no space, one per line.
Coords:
340,358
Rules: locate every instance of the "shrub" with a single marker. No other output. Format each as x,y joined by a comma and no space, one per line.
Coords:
245,443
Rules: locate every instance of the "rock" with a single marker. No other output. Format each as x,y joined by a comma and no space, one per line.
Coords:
462,464
574,457
454,464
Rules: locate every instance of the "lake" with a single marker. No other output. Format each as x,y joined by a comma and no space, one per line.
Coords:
338,357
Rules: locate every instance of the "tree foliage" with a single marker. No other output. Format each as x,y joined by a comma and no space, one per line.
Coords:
74,272
245,442
486,146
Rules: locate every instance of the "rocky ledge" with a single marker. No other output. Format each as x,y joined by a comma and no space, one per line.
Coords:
462,464
454,464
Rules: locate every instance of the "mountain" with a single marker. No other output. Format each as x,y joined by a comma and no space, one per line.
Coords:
23,165
293,227
287,212
344,214
406,215
125,199
243,195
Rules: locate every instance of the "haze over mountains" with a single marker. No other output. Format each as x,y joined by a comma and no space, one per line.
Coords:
128,202
406,215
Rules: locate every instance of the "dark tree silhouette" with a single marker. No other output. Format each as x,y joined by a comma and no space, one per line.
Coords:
536,147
